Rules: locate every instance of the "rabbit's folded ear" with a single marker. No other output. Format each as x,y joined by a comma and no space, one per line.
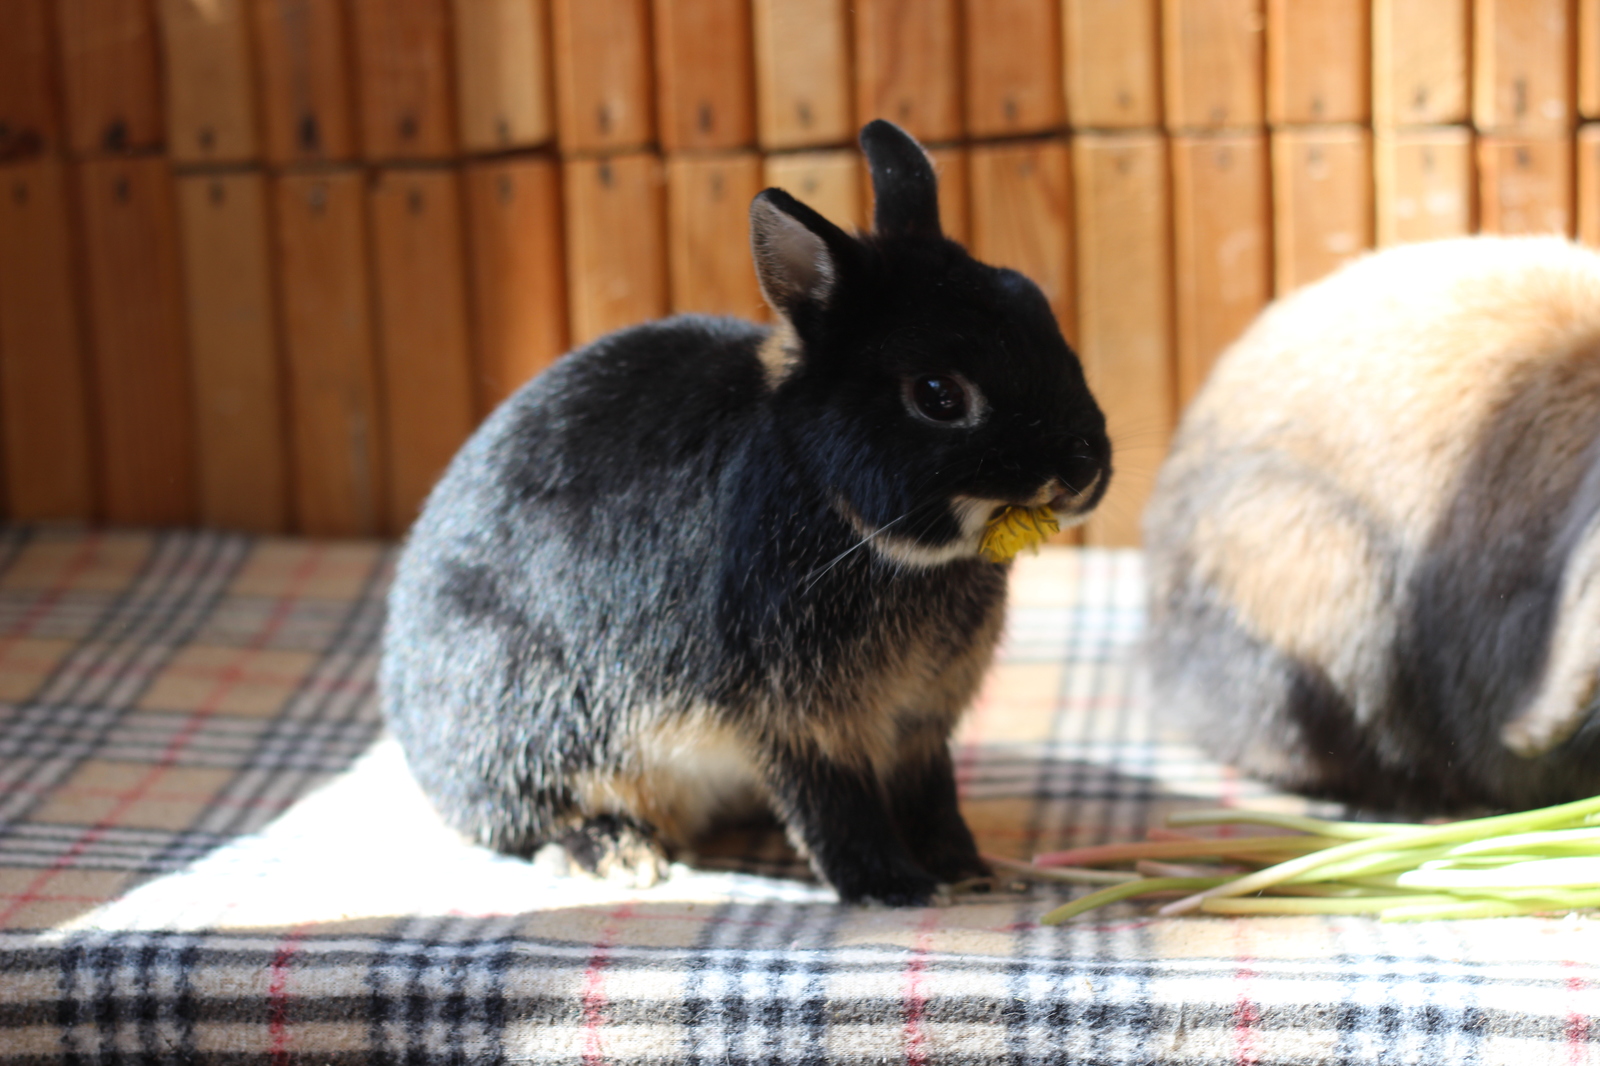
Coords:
904,185
796,251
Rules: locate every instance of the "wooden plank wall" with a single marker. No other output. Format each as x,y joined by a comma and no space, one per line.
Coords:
264,263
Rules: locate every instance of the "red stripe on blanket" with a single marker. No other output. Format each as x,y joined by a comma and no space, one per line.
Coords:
227,678
52,595
1577,1020
915,999
594,985
1246,1015
278,997
141,790
282,609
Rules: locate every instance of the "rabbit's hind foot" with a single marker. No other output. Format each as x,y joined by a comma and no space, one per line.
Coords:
618,849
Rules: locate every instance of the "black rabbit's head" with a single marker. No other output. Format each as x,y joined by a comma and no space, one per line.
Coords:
924,389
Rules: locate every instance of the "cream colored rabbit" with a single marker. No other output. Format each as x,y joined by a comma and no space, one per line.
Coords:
1375,548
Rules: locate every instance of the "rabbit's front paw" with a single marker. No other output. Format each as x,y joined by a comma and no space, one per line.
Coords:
955,866
896,883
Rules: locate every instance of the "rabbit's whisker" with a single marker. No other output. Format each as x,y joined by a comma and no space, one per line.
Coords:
862,543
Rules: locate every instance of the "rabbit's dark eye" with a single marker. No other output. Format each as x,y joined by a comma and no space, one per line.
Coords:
940,399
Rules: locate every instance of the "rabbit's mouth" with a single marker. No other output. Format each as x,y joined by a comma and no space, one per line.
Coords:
972,516
1072,506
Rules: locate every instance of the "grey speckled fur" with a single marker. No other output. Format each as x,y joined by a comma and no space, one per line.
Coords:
701,567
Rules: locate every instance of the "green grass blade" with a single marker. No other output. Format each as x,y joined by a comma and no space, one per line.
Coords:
1560,816
1118,893
1570,873
1323,904
1105,854
1071,875
1480,908
1298,823
1585,840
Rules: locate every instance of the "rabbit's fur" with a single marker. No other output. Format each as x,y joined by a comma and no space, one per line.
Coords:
701,567
1374,550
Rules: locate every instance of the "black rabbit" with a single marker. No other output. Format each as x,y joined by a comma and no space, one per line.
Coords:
1374,551
701,567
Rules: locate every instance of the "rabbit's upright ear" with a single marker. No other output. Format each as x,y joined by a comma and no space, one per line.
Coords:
796,252
904,185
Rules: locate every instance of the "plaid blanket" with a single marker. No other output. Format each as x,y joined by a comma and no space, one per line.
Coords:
208,853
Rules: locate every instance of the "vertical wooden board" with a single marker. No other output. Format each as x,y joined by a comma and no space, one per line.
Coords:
1588,170
708,233
604,81
1021,217
30,119
1321,202
1525,185
955,192
233,352
1522,77
44,401
141,371
1125,313
1013,66
425,350
616,242
503,87
1317,61
1419,62
1222,246
830,182
403,75
705,77
109,74
908,66
518,272
1423,180
1213,64
1589,58
335,427
306,111
1113,63
211,113
802,61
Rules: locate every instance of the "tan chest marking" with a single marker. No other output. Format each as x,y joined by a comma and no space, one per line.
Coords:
681,776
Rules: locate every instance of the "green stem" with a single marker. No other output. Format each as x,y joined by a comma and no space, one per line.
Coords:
1117,893
1372,865
1320,905
1585,840
1483,908
1548,817
1104,854
1071,875
1298,823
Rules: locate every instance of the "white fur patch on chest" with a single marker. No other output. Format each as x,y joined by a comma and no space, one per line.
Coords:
972,515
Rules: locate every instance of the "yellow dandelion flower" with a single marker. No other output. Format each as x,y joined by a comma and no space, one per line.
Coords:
1014,529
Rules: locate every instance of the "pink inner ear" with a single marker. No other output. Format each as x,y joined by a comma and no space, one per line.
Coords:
792,263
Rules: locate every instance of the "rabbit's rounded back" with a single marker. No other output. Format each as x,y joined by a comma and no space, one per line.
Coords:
700,566
1370,544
